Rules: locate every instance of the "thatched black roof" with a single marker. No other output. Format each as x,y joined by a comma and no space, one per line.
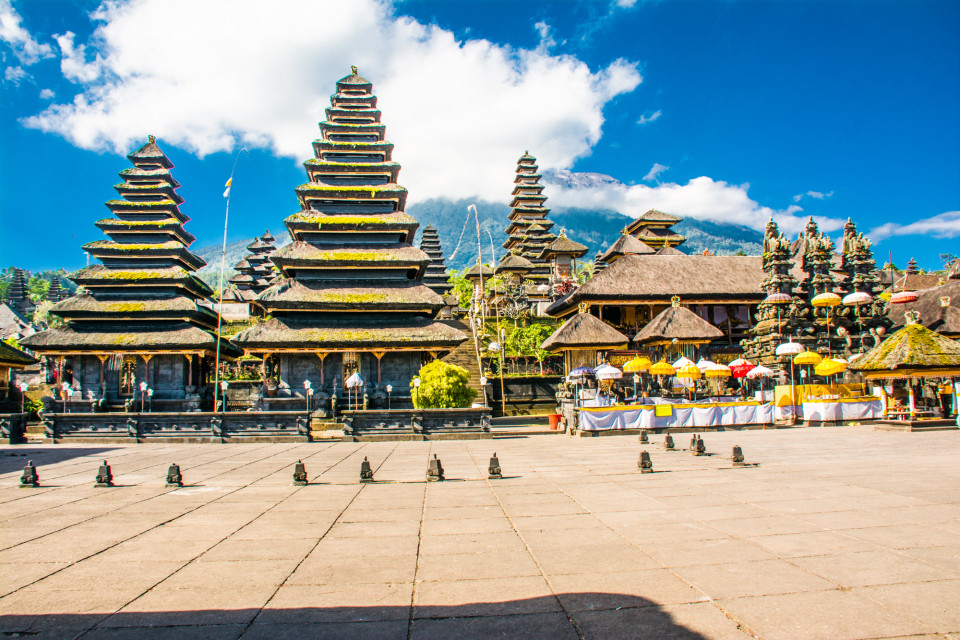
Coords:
680,324
652,278
10,356
944,319
625,245
914,350
129,337
349,332
585,331
324,295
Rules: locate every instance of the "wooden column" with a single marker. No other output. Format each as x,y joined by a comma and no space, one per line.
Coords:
379,354
189,357
103,365
146,366
321,356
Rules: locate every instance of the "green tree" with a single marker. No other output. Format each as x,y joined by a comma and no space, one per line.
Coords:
584,272
37,288
531,341
442,386
462,287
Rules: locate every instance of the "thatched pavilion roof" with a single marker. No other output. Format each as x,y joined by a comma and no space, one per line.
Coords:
944,319
637,279
669,251
515,263
625,245
585,331
913,351
680,324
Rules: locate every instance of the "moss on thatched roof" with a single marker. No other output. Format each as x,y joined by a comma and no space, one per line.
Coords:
128,337
350,333
585,331
334,296
10,356
914,348
680,324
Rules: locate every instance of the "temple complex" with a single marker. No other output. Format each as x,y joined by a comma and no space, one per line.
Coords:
436,276
138,321
528,232
350,298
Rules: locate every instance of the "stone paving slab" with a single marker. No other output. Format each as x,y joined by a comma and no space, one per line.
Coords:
830,533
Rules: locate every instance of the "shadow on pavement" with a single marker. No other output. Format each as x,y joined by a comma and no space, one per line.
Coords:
594,615
15,457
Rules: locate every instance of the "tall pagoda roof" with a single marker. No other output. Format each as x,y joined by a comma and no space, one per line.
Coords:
144,292
352,262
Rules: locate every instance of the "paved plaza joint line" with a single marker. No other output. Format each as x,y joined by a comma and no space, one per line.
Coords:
828,533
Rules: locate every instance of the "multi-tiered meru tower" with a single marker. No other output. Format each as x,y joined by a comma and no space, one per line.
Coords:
254,272
351,298
529,230
436,276
138,320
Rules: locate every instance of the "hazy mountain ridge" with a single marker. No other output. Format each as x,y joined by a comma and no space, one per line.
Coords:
597,229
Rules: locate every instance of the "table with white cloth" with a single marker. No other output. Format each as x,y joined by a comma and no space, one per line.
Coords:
842,409
663,415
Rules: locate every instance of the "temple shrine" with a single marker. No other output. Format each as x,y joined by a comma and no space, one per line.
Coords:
351,297
654,229
254,273
138,327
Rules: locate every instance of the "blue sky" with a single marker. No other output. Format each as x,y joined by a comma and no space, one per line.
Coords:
725,111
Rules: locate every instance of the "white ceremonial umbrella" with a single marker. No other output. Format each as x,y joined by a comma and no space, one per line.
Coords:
682,362
704,364
353,382
608,372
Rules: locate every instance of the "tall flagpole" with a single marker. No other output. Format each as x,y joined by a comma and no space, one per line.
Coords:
223,257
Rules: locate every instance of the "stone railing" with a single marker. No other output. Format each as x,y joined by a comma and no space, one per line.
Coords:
424,424
12,428
275,426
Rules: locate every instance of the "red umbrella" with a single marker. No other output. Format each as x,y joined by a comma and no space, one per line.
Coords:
741,367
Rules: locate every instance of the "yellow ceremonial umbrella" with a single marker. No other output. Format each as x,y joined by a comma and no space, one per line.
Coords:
807,357
829,367
690,371
636,365
663,368
718,371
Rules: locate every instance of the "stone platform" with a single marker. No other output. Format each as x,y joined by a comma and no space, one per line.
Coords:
826,534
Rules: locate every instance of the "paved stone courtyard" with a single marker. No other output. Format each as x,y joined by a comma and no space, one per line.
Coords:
835,533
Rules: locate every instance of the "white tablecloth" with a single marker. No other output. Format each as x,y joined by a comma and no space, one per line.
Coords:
833,410
694,416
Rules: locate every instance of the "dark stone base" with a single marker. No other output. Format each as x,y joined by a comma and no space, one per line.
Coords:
13,427
416,424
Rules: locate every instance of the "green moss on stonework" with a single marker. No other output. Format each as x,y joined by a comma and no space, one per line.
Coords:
141,205
353,256
321,219
140,275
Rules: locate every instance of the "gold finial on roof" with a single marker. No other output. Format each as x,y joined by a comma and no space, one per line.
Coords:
944,301
353,69
912,317
584,307
675,301
151,138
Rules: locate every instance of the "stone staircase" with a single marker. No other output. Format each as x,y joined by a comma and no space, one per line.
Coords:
464,355
325,429
35,433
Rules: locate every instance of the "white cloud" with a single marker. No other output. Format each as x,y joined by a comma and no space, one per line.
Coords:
817,195
653,117
626,4
655,170
702,198
14,75
73,63
47,94
459,112
944,225
27,50
545,31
